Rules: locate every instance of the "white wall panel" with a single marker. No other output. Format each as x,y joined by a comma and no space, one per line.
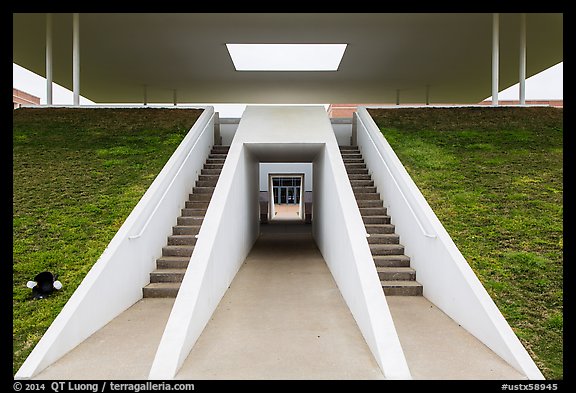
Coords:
448,280
116,280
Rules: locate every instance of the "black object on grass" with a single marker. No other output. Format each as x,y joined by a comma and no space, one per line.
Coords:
43,285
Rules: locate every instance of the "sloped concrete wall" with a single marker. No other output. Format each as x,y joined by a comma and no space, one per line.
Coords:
448,280
230,228
115,281
341,236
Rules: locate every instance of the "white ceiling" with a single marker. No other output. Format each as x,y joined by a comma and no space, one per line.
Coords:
122,52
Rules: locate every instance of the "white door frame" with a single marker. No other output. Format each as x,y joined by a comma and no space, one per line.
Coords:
271,211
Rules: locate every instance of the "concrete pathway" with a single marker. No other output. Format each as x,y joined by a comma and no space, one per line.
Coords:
436,347
282,318
123,349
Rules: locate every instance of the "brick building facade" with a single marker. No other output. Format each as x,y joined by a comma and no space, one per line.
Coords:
20,98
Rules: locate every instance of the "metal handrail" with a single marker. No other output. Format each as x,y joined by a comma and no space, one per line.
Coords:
132,237
396,182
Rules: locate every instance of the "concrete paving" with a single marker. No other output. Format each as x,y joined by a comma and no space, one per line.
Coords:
436,347
283,317
123,349
286,227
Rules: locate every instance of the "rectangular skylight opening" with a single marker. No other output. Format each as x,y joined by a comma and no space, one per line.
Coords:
286,57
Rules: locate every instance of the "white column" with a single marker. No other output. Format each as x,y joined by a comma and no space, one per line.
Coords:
495,50
48,59
522,71
76,57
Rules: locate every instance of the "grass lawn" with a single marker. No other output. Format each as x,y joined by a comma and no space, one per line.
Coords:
77,175
494,178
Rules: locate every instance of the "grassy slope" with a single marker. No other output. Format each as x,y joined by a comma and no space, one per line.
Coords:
494,177
78,173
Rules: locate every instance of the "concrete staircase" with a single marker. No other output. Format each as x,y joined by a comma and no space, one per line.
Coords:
170,267
394,271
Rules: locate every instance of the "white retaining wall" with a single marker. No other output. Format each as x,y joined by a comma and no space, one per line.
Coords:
229,229
288,168
116,280
342,129
341,237
448,280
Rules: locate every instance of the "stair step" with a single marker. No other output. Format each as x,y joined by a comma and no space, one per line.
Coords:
185,229
177,251
182,240
200,197
215,160
188,212
401,288
167,275
357,171
348,147
213,166
210,171
364,189
380,228
161,290
376,219
208,177
218,154
384,238
361,183
391,260
350,165
396,273
373,211
197,204
203,190
172,262
359,176
363,196
220,148
206,183
370,203
386,249
188,221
